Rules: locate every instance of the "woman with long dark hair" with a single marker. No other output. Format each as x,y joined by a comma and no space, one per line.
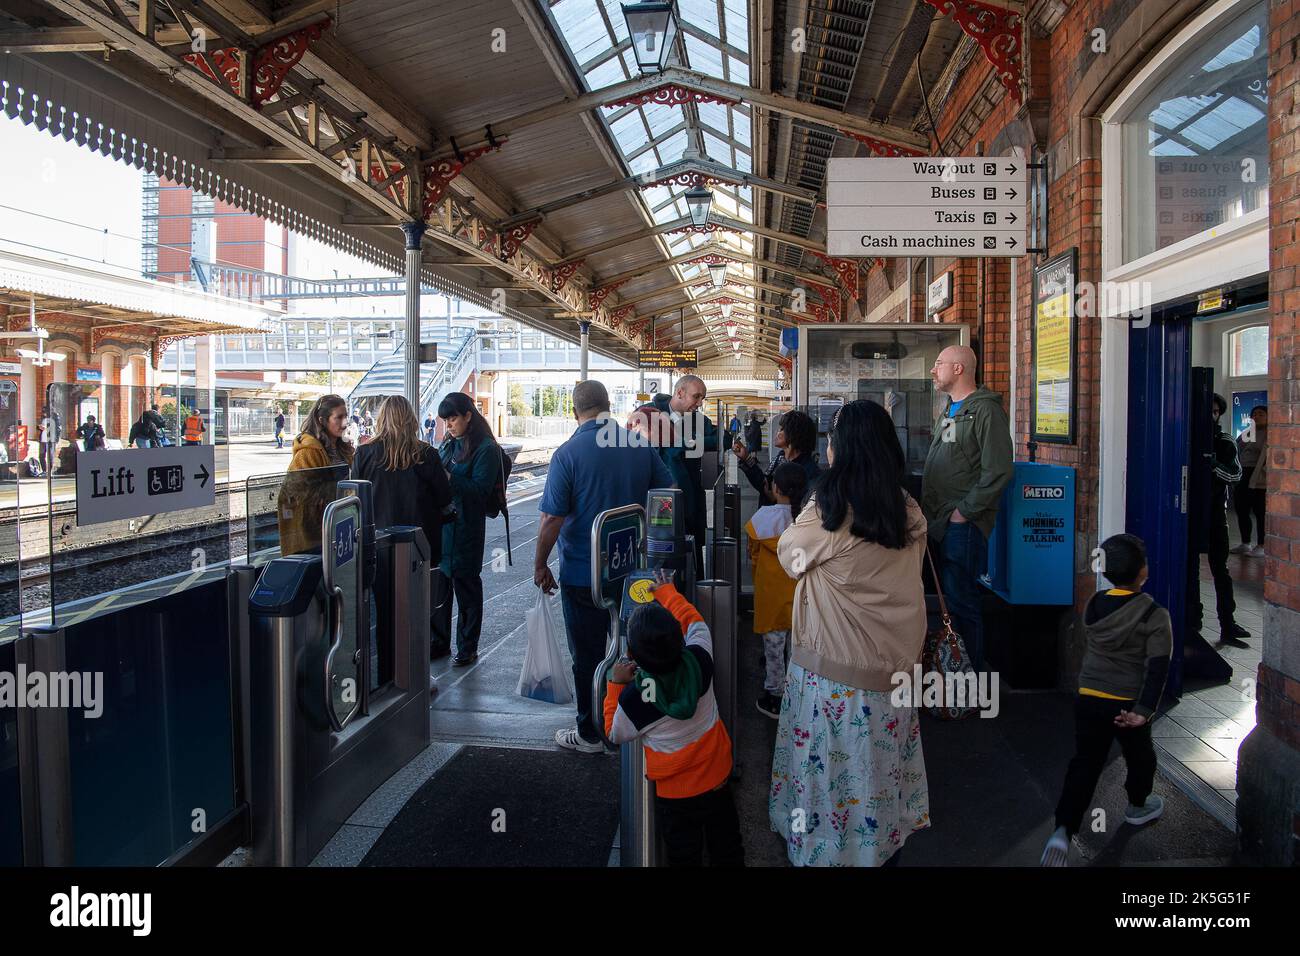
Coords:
410,486
796,440
472,459
848,778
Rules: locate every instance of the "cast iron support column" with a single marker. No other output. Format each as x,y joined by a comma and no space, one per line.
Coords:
411,379
585,329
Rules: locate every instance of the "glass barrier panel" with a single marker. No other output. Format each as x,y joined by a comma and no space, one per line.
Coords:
148,522
155,767
301,498
11,818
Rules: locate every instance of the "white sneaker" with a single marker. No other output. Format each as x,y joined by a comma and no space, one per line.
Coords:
1257,551
1149,811
1243,548
570,739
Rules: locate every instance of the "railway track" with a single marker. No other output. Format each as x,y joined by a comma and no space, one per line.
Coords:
106,566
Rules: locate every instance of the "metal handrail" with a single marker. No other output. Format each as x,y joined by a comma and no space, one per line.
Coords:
614,645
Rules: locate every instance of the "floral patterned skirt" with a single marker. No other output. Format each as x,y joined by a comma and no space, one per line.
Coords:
848,776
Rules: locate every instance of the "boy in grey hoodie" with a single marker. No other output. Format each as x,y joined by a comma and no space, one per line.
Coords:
1123,675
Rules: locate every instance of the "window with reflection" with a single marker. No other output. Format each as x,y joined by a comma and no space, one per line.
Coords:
1248,351
1195,150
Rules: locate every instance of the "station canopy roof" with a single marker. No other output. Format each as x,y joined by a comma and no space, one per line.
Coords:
552,174
67,298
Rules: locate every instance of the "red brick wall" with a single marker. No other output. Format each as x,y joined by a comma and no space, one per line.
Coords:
1279,694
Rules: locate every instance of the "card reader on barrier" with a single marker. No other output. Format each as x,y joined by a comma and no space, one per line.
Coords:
667,543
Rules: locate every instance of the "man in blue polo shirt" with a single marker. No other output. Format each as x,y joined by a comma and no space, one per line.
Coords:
597,469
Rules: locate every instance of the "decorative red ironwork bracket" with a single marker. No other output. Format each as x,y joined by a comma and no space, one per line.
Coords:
636,328
712,258
690,180
271,63
438,176
597,296
515,237
562,273
845,269
618,315
670,94
880,147
703,230
1000,34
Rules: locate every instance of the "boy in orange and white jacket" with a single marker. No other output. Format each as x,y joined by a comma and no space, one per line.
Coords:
663,693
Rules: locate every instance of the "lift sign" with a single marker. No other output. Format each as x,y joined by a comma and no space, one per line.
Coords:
1040,492
345,541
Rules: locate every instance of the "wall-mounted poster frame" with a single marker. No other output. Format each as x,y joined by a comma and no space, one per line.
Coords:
1056,350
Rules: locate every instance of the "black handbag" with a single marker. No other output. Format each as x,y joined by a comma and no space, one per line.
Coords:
944,654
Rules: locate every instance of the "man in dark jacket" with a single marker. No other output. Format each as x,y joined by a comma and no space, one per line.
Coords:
697,435
968,465
1227,472
753,434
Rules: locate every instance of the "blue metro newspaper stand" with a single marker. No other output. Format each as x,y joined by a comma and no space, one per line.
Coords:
1031,572
1031,550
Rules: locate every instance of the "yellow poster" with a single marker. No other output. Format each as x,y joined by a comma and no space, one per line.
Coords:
1053,348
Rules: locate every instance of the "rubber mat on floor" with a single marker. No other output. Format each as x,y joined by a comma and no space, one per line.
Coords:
496,806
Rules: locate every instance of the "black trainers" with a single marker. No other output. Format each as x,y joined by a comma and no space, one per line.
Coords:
464,660
1232,635
769,704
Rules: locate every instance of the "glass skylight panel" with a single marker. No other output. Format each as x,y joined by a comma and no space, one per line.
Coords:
666,214
743,162
630,132
700,13
672,147
737,23
1239,50
704,58
738,70
582,26
663,118
614,14
607,74
740,126
644,163
718,150
714,115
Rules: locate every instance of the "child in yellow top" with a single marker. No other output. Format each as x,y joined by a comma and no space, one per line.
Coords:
773,588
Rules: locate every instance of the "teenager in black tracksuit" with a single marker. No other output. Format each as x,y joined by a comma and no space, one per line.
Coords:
1227,472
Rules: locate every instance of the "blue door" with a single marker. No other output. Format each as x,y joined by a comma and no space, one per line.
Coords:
1159,446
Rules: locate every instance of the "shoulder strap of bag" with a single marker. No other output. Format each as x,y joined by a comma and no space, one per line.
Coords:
938,588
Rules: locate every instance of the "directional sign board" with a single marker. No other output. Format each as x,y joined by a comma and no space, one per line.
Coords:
959,205
132,482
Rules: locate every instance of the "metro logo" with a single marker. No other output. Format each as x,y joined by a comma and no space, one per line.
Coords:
1043,491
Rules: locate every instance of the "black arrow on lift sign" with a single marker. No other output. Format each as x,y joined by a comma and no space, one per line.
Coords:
1011,243
203,476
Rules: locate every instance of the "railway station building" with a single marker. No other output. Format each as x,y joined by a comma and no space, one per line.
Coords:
515,154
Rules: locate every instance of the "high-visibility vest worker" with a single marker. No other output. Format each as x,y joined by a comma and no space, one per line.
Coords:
193,428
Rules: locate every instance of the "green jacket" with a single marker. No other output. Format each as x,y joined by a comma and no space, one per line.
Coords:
969,471
471,483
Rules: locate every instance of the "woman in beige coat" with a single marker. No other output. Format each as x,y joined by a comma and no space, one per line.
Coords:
848,776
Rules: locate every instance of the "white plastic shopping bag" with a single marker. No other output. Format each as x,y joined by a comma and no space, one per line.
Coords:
544,675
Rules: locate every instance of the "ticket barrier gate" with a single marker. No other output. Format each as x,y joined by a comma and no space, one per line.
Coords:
331,716
625,549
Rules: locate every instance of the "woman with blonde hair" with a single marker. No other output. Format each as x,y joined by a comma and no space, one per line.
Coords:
321,457
410,485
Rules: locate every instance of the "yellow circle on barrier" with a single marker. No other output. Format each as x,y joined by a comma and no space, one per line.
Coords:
643,591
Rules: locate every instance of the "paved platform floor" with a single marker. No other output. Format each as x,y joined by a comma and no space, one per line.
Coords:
993,783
